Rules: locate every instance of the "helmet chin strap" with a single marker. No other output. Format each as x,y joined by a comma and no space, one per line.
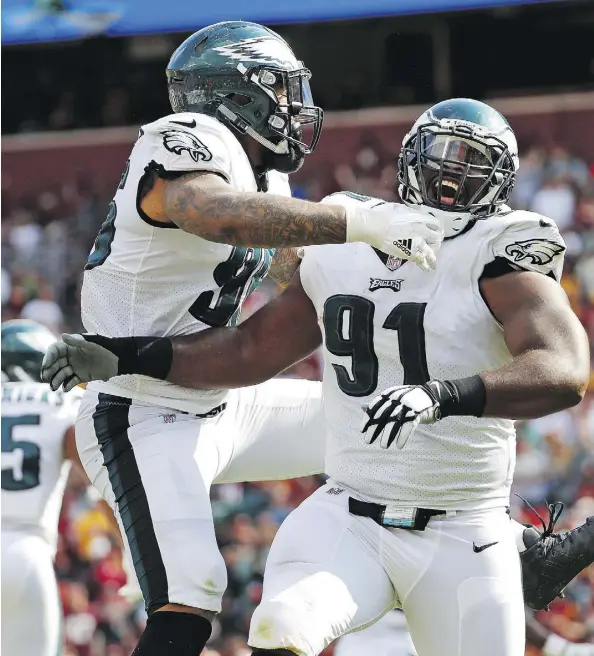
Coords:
283,157
281,148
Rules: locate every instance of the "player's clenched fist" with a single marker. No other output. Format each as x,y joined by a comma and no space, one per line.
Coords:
82,358
394,415
74,360
392,228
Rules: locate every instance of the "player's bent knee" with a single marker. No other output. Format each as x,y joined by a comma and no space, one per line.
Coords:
192,581
277,628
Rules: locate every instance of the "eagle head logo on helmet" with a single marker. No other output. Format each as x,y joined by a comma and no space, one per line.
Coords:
178,142
536,251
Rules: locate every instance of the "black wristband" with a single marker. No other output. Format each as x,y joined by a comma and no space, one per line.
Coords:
147,356
465,396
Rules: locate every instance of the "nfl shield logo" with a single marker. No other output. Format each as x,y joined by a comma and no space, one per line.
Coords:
394,263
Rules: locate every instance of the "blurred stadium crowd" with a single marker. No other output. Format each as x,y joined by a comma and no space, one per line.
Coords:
45,242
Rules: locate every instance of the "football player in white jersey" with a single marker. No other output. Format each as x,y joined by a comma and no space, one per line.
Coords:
37,448
414,515
202,200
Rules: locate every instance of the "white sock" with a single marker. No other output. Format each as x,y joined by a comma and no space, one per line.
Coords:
519,529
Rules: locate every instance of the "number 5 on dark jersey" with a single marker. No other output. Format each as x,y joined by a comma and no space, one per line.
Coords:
29,477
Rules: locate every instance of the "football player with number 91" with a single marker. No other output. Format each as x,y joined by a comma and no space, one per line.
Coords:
415,512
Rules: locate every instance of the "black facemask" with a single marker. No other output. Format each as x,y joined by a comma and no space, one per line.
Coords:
286,162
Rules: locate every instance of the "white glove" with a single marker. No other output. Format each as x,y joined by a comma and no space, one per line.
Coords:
558,646
396,413
392,228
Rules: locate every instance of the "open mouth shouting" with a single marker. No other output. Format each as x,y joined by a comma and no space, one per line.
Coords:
448,192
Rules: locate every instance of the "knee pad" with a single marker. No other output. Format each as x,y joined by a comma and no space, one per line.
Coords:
272,652
277,628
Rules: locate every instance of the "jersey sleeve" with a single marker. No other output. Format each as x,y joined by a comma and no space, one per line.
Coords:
532,242
190,142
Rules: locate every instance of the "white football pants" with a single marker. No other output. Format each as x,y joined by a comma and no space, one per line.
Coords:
389,636
155,466
329,573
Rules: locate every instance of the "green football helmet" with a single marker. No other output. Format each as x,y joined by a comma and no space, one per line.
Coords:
458,162
24,344
247,77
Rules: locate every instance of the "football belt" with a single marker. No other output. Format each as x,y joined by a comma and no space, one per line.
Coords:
413,519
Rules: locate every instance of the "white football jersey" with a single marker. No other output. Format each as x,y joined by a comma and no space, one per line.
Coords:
386,323
34,472
143,278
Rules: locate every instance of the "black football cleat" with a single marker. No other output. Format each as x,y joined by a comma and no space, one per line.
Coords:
552,560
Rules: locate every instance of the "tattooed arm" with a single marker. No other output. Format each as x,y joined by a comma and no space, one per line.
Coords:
284,264
205,205
285,261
